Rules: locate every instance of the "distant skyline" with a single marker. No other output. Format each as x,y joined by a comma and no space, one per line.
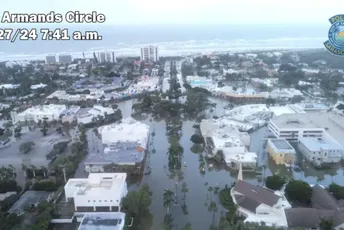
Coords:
194,12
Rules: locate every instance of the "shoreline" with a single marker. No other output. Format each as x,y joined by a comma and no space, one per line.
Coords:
89,54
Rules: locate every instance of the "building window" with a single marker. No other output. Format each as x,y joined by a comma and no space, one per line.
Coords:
105,200
100,201
94,200
89,201
110,200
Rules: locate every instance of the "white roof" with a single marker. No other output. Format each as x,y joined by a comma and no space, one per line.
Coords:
9,86
129,130
44,109
279,110
247,157
315,145
99,183
38,86
103,221
255,114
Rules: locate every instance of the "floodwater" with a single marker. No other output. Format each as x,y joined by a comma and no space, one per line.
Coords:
198,197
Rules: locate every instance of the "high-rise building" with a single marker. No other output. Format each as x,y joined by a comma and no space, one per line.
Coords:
106,56
51,59
149,54
65,58
110,57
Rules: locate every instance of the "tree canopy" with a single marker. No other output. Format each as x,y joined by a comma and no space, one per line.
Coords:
274,182
197,139
337,191
299,191
137,202
26,146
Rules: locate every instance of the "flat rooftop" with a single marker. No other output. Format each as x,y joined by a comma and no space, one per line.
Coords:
129,130
98,183
103,221
332,123
118,153
246,157
281,144
314,145
296,121
279,110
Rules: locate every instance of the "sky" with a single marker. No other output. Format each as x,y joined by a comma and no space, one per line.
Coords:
152,12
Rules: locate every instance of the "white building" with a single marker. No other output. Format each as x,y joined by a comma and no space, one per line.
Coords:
9,86
125,144
149,54
269,82
106,56
292,127
313,107
287,109
38,86
144,84
259,204
36,113
70,114
222,136
235,152
129,130
285,94
100,192
65,58
51,59
255,115
90,115
321,151
103,221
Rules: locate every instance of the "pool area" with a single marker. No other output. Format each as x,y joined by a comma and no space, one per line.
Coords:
200,82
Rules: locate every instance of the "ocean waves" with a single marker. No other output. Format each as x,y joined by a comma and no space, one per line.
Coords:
170,48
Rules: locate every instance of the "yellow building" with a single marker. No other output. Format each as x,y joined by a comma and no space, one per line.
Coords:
281,151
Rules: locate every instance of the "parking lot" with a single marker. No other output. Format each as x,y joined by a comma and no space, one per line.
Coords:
11,155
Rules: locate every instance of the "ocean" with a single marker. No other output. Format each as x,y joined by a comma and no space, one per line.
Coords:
172,40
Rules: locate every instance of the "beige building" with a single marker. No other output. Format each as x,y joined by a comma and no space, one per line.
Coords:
281,151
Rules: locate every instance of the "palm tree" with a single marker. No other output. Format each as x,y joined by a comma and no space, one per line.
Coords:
168,199
210,190
232,213
187,227
44,170
184,190
168,222
240,225
224,224
263,167
33,168
12,171
212,208
24,168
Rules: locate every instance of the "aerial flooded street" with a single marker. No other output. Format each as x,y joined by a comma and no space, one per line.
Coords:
232,141
198,196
